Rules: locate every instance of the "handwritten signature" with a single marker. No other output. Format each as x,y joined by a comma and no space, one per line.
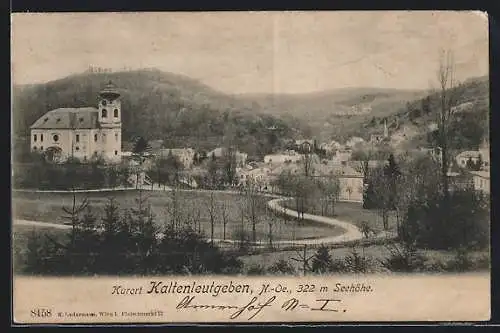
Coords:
255,306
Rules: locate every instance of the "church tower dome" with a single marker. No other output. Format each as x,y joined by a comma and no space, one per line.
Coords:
109,106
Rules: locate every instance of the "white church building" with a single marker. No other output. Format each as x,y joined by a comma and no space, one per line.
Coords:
84,133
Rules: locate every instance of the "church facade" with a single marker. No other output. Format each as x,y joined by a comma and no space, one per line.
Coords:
84,133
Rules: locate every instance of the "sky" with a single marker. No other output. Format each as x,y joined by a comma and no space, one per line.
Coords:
255,52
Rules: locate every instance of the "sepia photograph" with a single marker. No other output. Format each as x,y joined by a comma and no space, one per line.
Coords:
267,145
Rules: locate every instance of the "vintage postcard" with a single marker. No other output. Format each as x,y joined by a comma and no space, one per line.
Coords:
229,167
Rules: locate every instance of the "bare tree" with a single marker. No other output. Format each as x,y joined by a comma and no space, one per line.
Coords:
272,221
193,215
308,163
229,165
304,260
303,189
173,209
240,232
406,189
330,192
224,213
382,193
198,218
212,212
349,192
73,213
448,95
251,194
362,163
140,153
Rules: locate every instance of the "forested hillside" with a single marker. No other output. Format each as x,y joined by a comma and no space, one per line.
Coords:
159,105
184,112
469,127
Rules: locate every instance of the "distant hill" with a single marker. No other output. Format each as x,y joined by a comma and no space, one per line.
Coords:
185,112
470,125
325,112
159,105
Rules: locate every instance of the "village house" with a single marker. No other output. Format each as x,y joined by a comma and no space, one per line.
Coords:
378,138
184,155
361,109
241,158
402,135
305,146
84,133
351,187
262,177
155,145
352,142
350,180
474,156
464,107
433,126
372,164
342,155
434,152
331,147
288,156
481,181
351,184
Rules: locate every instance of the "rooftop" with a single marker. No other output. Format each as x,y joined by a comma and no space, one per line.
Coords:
110,91
469,153
68,118
482,174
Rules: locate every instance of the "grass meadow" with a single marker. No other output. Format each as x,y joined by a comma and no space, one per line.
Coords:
48,207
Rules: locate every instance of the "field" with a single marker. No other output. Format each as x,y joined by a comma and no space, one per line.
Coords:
352,212
47,207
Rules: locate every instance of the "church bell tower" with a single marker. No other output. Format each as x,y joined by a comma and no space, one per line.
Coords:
109,107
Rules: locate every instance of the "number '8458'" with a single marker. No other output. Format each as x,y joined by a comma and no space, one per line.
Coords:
41,312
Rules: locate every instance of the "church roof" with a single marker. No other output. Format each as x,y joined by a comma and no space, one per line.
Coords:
68,118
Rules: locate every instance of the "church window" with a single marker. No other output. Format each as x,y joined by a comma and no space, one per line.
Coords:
78,138
34,137
95,137
55,137
41,137
34,148
104,113
41,147
116,152
77,148
116,113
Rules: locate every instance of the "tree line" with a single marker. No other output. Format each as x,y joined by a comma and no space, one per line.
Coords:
413,191
35,172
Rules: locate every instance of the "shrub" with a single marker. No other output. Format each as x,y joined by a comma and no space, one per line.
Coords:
282,267
464,224
256,269
322,261
403,258
126,244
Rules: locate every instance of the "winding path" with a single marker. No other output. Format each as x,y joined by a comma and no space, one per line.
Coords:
351,232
